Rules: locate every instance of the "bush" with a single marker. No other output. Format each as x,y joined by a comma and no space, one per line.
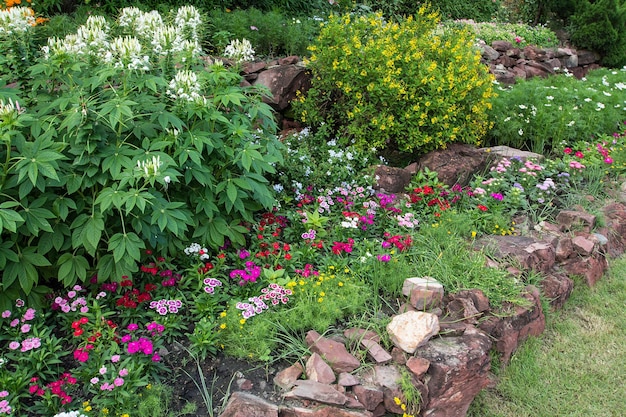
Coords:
516,33
405,86
271,33
127,148
601,26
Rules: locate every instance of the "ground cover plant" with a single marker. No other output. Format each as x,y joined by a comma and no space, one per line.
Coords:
202,233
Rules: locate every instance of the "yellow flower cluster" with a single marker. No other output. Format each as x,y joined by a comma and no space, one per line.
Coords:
404,84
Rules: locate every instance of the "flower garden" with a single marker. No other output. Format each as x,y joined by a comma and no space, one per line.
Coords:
149,211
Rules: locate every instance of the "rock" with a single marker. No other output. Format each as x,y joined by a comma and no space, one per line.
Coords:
283,82
587,57
399,356
536,69
347,380
376,352
288,376
370,397
480,300
557,288
412,329
564,249
321,411
570,61
487,52
244,384
318,370
582,245
316,391
391,179
425,299
252,67
572,219
459,369
290,60
333,352
591,268
356,334
461,308
418,366
388,378
615,229
498,152
526,251
456,164
242,404
511,330
421,283
501,46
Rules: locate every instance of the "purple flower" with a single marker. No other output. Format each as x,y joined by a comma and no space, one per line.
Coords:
19,303
243,254
132,327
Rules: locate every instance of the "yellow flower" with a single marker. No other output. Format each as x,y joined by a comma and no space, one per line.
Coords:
242,321
105,411
322,294
223,314
340,284
473,233
149,386
319,300
223,326
125,415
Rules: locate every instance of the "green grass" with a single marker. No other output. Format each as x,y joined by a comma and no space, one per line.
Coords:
577,367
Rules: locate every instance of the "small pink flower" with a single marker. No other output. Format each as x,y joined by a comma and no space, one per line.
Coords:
103,370
19,303
115,358
518,39
4,394
156,357
6,314
14,323
14,345
94,380
25,328
254,28
608,160
118,382
579,154
123,372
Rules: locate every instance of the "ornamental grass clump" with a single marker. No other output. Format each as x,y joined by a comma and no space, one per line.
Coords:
404,86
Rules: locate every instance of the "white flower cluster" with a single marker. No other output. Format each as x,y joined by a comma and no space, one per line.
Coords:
125,52
143,31
239,51
9,109
70,414
16,20
196,249
150,167
185,86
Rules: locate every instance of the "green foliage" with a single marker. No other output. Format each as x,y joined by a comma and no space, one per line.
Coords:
517,33
478,10
405,86
271,33
108,157
540,114
601,26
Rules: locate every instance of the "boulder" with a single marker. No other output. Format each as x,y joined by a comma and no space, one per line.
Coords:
455,164
318,370
459,369
557,288
391,179
526,251
333,352
283,81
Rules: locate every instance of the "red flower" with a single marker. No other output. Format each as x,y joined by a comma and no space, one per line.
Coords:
126,283
568,150
288,256
482,208
579,154
221,256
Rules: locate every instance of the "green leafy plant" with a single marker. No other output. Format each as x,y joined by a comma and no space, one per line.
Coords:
122,151
406,86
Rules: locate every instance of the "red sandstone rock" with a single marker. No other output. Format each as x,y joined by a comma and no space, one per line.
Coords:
318,370
557,288
243,404
570,219
370,397
288,376
582,245
316,391
418,366
376,352
333,352
456,164
361,334
391,179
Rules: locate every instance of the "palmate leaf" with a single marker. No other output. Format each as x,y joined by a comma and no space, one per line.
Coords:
9,219
126,245
72,266
25,270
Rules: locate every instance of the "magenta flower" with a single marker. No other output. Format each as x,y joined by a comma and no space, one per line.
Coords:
384,258
132,327
497,196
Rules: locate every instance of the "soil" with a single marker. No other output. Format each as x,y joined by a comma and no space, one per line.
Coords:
222,376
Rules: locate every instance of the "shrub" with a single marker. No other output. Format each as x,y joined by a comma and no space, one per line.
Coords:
601,26
125,148
271,33
406,86
516,33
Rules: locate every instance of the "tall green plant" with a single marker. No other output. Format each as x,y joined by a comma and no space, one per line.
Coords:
120,151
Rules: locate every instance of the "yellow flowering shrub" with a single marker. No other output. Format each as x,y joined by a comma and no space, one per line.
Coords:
408,86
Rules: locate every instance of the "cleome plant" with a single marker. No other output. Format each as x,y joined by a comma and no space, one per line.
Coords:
124,140
407,86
